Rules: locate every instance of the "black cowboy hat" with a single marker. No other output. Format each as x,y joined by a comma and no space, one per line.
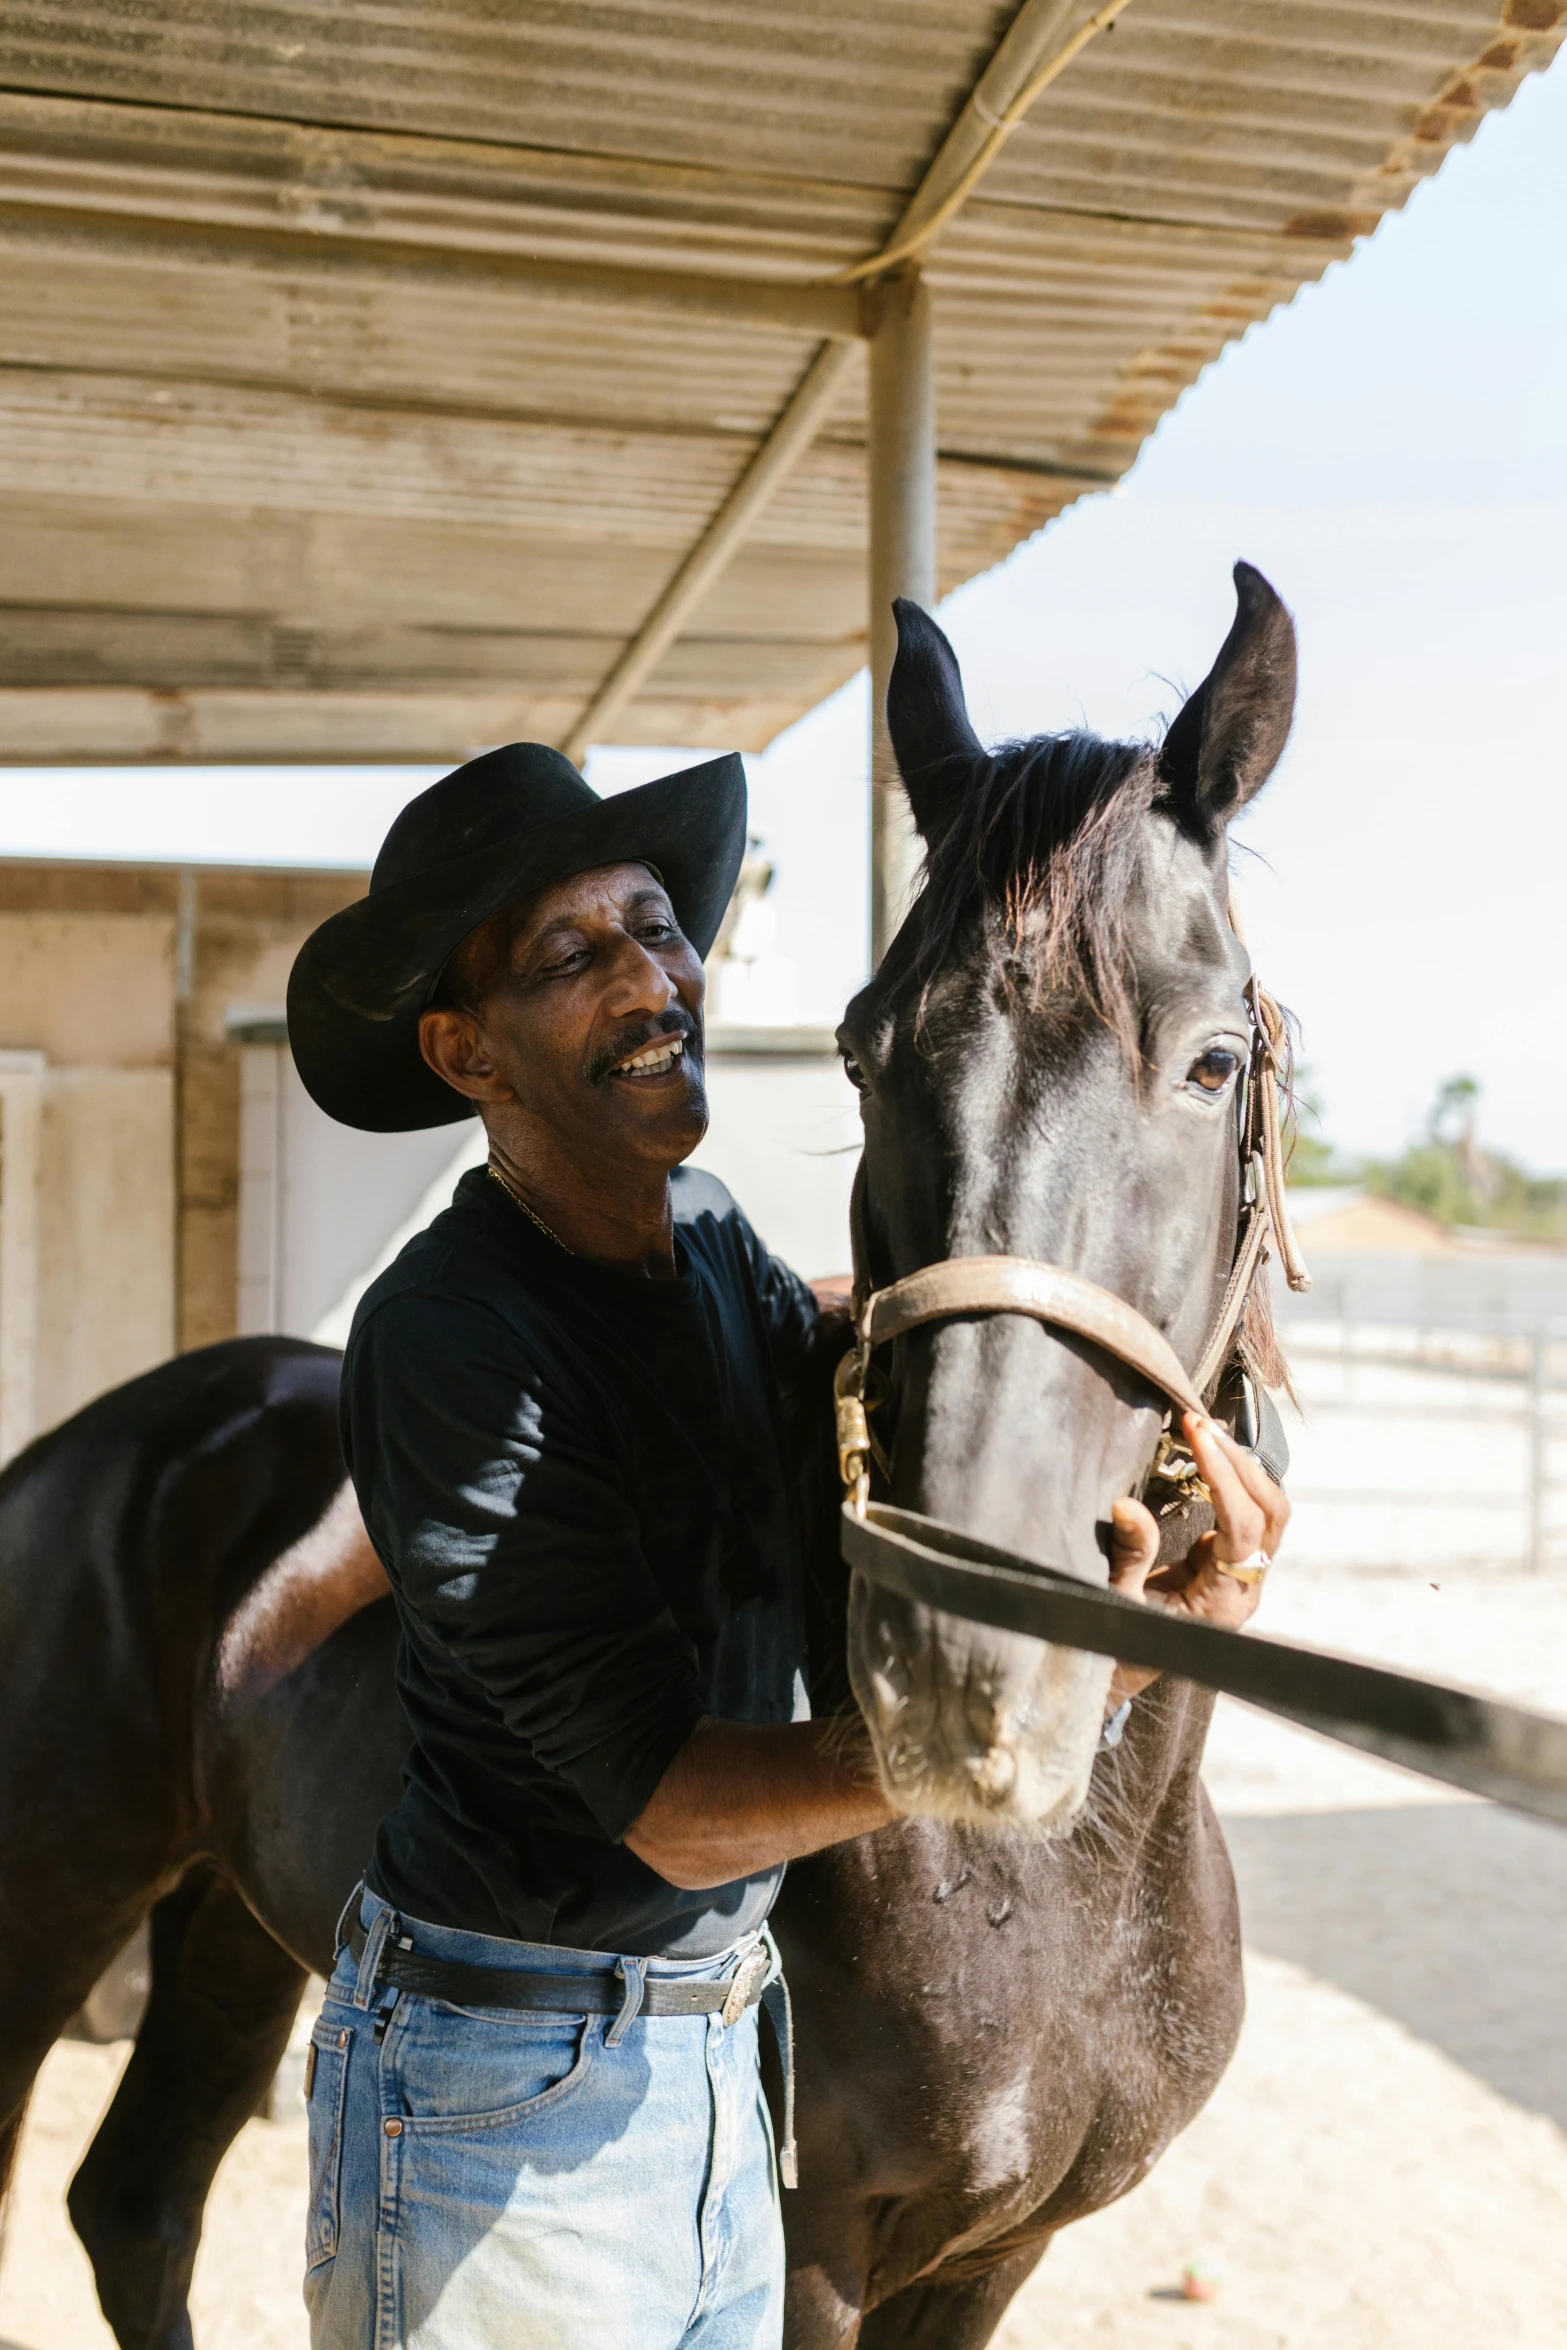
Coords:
493,831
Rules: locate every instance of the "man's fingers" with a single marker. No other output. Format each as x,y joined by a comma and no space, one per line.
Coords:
1251,1512
1213,1596
1134,1545
1244,1468
1250,1509
1249,1470
1239,1516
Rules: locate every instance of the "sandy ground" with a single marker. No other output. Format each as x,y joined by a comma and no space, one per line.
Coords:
1385,2165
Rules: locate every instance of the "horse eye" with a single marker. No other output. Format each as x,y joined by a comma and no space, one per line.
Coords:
1213,1069
854,1073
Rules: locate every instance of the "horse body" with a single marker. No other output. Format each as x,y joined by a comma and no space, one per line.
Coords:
981,2053
998,2030
997,2035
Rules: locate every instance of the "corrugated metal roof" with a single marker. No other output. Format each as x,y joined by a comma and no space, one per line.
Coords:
255,507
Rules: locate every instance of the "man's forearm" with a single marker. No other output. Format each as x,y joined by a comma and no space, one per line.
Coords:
742,1797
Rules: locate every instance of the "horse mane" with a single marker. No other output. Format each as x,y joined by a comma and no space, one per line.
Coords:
1043,845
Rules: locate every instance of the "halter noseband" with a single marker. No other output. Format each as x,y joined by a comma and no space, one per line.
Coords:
1048,1293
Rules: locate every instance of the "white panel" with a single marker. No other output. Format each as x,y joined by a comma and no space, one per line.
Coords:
785,1138
21,1078
343,1195
471,1151
259,1151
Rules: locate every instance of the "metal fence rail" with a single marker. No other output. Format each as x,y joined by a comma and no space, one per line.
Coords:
1459,1421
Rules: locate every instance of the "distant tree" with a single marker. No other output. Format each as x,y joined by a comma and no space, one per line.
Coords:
1450,1174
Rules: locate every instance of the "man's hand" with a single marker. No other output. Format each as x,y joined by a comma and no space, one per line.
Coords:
833,1293
1250,1514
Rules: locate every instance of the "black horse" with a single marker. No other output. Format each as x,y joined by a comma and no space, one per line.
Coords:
1009,2002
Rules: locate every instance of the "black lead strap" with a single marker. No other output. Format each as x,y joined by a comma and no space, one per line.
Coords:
1507,1752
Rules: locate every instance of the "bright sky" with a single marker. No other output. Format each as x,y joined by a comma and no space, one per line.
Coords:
1392,451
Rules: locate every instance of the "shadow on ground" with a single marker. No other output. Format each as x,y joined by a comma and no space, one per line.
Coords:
1451,1918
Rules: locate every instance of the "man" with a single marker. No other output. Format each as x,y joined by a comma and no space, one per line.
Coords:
534,2099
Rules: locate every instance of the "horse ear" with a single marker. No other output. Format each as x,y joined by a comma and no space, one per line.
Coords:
1225,743
928,719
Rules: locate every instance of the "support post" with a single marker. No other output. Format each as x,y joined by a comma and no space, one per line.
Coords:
902,468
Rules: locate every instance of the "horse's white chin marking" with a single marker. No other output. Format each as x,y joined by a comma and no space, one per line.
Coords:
1000,1790
983,1729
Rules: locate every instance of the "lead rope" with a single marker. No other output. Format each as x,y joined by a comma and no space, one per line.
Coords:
1265,1213
1271,1062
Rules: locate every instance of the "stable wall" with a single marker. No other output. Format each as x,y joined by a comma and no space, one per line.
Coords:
119,1113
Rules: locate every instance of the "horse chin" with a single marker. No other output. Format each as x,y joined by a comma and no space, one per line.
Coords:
981,1728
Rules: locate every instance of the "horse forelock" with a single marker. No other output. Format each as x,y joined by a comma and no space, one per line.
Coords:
1037,860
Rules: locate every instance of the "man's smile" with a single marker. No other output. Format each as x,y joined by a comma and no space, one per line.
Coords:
652,1061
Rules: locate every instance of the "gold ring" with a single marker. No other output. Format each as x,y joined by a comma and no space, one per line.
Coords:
1246,1570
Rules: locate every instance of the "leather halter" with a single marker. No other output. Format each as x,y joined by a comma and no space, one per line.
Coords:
1051,1294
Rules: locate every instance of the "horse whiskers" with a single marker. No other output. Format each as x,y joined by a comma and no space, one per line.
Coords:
843,1737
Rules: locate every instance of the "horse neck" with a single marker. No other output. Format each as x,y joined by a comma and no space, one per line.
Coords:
1145,1797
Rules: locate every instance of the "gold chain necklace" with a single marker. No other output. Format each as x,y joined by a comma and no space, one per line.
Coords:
532,1214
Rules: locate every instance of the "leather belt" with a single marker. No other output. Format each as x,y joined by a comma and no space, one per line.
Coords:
404,1968
625,1992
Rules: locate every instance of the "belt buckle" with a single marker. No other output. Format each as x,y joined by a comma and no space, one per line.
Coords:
744,1984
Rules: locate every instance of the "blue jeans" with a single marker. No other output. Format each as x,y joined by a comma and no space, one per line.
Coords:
494,2179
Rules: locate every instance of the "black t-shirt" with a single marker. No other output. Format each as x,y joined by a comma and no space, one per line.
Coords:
578,1485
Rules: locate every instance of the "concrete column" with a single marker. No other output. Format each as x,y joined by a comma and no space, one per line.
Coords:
902,466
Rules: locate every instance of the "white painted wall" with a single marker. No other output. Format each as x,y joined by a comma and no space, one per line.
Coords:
785,1138
319,1201
21,1096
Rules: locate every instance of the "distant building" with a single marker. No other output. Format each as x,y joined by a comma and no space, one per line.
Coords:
1379,1260
1342,1219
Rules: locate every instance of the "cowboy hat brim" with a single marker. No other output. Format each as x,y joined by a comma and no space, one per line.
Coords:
362,980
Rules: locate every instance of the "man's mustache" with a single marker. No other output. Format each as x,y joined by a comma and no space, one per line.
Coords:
634,1036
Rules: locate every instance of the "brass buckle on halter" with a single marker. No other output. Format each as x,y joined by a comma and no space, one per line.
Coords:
854,1435
853,1429
1174,1465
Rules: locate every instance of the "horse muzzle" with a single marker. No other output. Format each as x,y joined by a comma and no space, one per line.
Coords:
987,1729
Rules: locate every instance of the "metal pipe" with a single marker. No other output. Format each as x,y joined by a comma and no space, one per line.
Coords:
902,465
758,485
1039,43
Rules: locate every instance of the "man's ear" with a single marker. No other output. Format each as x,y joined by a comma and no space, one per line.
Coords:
450,1043
1225,743
928,720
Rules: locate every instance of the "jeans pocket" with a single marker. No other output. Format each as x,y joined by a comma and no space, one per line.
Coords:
326,2088
465,2068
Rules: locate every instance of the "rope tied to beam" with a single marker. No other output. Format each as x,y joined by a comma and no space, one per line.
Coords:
911,245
